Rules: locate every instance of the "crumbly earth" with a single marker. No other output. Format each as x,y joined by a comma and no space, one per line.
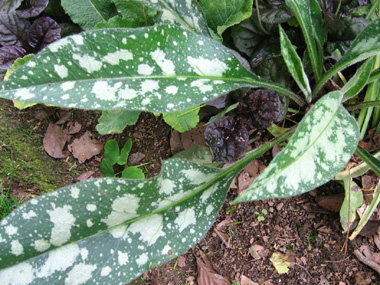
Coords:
311,240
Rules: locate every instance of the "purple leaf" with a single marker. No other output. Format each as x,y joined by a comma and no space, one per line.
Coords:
34,8
227,138
12,29
9,54
260,109
43,31
9,5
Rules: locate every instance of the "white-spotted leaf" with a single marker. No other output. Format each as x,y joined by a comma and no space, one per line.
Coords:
108,230
120,68
322,145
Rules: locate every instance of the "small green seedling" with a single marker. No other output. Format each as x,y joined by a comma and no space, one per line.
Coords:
260,217
112,156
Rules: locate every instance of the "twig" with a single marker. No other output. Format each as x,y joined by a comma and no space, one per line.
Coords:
367,261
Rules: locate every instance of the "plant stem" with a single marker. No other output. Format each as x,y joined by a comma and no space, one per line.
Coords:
365,114
362,105
258,17
372,10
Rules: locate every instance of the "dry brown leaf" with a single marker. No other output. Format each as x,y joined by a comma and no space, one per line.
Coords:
182,261
244,181
135,158
73,128
255,168
207,274
258,252
244,280
223,237
64,118
54,141
332,203
181,141
86,175
84,148
324,281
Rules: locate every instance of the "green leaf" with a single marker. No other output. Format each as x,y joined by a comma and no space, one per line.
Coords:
368,158
222,14
322,145
358,81
106,168
118,22
16,65
367,213
308,15
111,230
294,64
199,154
115,121
353,199
87,13
125,152
137,12
185,14
183,120
374,75
111,151
366,44
120,69
133,172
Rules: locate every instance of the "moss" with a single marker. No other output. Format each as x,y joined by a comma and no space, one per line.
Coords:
33,169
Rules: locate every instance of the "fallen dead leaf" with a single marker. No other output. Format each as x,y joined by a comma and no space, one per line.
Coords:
323,281
86,175
207,274
255,168
73,128
135,158
258,252
54,141
181,141
223,237
244,181
181,261
332,203
84,148
244,280
281,262
64,118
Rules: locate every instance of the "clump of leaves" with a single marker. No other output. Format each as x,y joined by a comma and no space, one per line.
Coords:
113,155
21,33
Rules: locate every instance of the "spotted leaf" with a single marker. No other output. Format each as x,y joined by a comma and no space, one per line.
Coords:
121,69
109,230
322,145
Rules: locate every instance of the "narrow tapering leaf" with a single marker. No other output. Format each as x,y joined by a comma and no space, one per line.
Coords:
366,44
294,64
358,81
322,145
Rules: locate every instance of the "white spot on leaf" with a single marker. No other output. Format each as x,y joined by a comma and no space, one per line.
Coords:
150,228
185,219
62,221
124,208
16,248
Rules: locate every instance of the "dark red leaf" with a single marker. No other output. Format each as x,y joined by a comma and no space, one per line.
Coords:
9,54
227,139
43,31
34,8
261,108
12,29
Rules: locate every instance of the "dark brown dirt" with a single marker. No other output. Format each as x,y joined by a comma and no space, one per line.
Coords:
313,242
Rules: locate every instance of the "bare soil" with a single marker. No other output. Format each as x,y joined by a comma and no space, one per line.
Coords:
244,237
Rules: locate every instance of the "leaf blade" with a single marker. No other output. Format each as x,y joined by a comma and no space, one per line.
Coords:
163,82
317,151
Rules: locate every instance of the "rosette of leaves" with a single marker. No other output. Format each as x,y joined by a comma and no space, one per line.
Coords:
19,35
227,138
260,108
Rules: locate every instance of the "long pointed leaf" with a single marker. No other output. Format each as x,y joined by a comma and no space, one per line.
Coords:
121,69
366,44
294,64
109,231
308,15
322,145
